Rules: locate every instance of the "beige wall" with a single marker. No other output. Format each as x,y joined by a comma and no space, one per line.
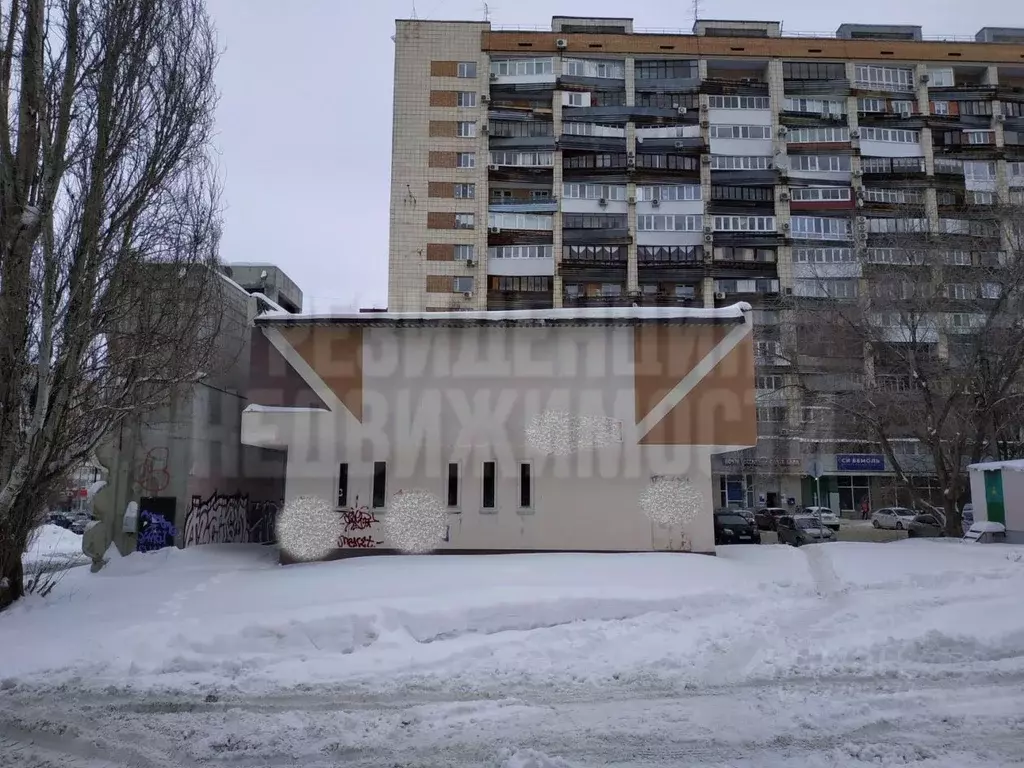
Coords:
430,396
426,56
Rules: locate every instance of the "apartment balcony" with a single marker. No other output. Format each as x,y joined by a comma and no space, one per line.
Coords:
593,74
649,166
607,166
883,169
595,229
592,137
657,263
743,261
742,199
546,205
606,263
580,301
979,144
521,260
668,295
527,166
515,72
511,299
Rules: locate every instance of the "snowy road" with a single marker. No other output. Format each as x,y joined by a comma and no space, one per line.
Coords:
906,654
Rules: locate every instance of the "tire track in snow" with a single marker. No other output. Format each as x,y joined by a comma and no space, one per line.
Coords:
738,662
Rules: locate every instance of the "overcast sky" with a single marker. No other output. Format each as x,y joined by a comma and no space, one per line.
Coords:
304,123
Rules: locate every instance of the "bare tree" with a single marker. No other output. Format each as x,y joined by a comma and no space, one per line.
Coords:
929,347
108,232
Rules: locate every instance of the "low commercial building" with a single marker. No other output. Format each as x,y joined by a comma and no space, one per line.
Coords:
556,430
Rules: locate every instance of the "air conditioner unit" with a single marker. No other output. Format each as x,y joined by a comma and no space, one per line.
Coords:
708,238
783,130
1000,118
720,295
494,230
705,159
602,202
680,145
708,230
703,107
860,202
854,134
483,129
705,124
784,197
631,200
655,202
494,76
470,262
925,77
561,43
493,167
785,227
858,174
681,110
484,98
467,294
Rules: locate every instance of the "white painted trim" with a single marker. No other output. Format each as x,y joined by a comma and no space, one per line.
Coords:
675,395
305,370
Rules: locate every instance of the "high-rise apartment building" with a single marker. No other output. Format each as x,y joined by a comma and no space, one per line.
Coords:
593,165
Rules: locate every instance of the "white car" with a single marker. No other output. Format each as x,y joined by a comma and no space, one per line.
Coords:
827,517
896,518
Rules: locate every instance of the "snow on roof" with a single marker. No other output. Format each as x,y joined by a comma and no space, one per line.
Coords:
626,315
1014,465
257,408
274,306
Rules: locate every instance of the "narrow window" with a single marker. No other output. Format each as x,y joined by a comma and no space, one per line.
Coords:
343,485
453,486
525,486
380,483
487,502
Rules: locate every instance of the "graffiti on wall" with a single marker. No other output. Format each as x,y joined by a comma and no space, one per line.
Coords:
155,532
358,524
229,519
152,475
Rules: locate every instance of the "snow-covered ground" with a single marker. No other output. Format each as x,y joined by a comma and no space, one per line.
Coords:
843,654
53,548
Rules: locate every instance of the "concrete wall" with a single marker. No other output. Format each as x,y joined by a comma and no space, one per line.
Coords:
1013,501
421,398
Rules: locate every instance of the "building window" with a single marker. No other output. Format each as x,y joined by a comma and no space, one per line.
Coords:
578,128
524,159
941,77
816,106
467,69
518,129
525,485
744,223
820,228
813,70
831,288
961,291
940,107
665,69
820,194
575,99
520,252
821,163
453,489
757,255
522,67
977,108
902,196
343,485
466,99
767,350
615,70
991,290
465,160
531,221
762,285
667,162
669,193
884,78
463,284
740,163
594,191
768,382
774,414
380,484
465,191
465,252
594,221
466,129
740,132
668,254
872,105
528,284
649,222
667,100
818,136
823,255
897,135
464,220
487,500
739,102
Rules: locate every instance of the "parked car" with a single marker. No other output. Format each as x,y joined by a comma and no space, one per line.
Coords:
826,515
766,517
747,513
926,526
896,518
734,528
797,530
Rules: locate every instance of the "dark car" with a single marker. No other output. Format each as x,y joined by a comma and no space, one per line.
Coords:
925,526
803,529
734,528
766,517
748,514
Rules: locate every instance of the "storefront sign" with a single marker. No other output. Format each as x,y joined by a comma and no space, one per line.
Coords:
759,461
860,462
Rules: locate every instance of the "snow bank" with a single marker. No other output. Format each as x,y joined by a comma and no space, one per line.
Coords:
228,616
53,547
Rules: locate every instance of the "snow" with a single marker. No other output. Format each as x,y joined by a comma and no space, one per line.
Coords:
53,547
257,408
841,654
498,316
1015,465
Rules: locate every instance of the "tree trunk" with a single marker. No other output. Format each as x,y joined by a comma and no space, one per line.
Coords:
12,573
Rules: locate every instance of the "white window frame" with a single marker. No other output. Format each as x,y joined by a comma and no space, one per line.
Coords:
940,107
740,132
649,222
805,162
828,135
960,291
464,252
820,228
991,290
739,102
941,77
894,195
724,223
463,69
741,163
540,222
820,194
523,67
465,186
465,160
823,255
669,193
465,221
466,129
520,252
466,99
891,135
584,191
816,106
522,159
885,78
